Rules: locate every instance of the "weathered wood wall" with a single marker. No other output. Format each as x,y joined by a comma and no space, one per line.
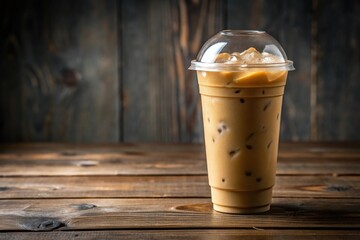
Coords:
337,80
289,21
59,71
108,70
161,100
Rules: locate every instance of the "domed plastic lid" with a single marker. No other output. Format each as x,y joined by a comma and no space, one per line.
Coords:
239,50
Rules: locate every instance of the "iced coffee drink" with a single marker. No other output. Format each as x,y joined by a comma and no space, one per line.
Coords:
241,94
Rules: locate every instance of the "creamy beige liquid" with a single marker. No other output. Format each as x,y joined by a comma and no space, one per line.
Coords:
241,115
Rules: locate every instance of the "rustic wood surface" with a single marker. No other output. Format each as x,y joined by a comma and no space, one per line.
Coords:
137,191
53,159
185,234
162,213
108,71
167,186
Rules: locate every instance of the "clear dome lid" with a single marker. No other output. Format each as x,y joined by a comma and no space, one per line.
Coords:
239,50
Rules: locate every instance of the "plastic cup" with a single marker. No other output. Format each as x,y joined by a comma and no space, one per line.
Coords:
241,107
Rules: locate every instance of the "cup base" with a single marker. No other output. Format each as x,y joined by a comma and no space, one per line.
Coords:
235,210
241,202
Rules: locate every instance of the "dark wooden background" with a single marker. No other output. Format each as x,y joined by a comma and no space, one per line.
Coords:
108,71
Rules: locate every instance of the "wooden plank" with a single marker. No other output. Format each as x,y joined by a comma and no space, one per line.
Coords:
338,71
80,148
314,132
138,118
163,159
320,149
278,18
116,164
159,40
101,164
303,149
166,186
10,93
59,71
105,187
318,166
160,166
211,234
76,214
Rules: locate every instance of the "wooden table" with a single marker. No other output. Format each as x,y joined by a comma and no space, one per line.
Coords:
153,191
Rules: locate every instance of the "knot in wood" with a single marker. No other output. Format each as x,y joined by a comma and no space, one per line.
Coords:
41,224
70,77
4,189
338,188
85,206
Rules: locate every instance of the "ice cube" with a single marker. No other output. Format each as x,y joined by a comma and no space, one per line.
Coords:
269,58
236,58
223,57
251,56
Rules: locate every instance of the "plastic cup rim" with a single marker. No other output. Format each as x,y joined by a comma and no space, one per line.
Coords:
285,66
229,32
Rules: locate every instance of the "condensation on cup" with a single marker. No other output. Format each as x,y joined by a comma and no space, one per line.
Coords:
242,76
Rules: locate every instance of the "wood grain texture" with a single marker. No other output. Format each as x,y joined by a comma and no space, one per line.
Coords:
191,234
286,149
59,70
314,132
51,159
290,23
159,40
114,165
127,163
307,204
104,71
165,187
76,214
338,69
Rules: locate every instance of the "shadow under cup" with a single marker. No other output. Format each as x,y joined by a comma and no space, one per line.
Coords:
241,128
